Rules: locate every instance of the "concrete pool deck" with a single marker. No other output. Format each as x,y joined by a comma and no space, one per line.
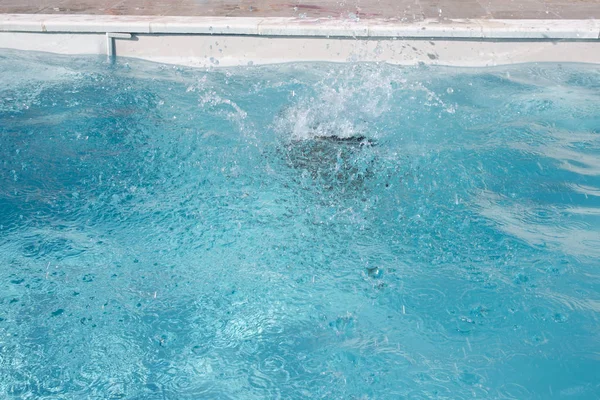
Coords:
210,33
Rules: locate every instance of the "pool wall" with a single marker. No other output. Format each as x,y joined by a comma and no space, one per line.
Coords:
229,41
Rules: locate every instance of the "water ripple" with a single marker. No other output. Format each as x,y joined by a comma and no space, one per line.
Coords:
297,231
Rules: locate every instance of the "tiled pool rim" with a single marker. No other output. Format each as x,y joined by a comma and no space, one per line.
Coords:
227,41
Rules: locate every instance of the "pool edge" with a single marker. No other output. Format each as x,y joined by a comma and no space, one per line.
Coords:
243,40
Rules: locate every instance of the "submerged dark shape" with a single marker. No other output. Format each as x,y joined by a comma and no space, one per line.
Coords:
342,162
350,140
374,272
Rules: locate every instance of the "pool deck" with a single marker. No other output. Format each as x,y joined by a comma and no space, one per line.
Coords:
466,19
402,10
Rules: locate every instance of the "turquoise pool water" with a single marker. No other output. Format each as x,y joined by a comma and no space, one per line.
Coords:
352,231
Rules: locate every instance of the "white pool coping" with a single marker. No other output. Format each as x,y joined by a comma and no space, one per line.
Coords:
243,40
320,27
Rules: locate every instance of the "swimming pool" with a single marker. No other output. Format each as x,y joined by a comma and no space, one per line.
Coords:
298,231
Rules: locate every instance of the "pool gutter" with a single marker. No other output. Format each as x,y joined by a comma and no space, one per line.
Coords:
225,41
